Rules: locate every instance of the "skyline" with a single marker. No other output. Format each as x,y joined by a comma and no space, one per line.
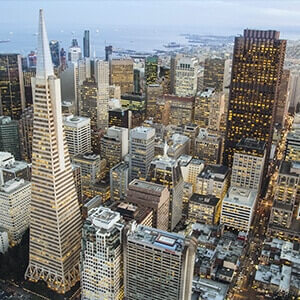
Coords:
168,170
144,21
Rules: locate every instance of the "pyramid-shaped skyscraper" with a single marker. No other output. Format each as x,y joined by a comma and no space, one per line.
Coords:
55,222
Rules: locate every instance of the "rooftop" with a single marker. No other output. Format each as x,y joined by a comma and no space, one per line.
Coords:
75,121
249,144
103,218
208,289
241,196
13,185
142,132
216,172
290,168
146,185
158,239
122,166
184,160
208,92
90,156
205,199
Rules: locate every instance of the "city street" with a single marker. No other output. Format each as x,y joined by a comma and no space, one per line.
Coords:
241,288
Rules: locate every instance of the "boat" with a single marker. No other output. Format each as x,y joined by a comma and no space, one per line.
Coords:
172,45
4,41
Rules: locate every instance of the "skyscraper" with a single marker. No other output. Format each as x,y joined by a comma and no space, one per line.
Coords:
151,69
108,53
102,255
86,43
78,134
256,73
114,145
141,142
248,164
153,93
55,222
25,131
214,73
151,195
122,74
74,53
12,93
158,264
14,208
9,136
54,50
186,69
166,171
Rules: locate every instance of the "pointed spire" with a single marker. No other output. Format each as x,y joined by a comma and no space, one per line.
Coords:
44,66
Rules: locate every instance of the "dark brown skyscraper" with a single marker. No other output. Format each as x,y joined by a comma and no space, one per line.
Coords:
256,74
214,73
12,97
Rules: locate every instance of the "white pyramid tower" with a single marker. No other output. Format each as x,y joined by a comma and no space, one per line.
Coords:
55,222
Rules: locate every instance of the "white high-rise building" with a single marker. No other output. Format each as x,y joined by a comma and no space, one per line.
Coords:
74,53
141,143
15,197
78,134
248,164
102,72
238,208
102,106
114,145
158,264
186,71
102,256
55,221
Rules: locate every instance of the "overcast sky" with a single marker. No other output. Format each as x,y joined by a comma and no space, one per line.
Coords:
198,16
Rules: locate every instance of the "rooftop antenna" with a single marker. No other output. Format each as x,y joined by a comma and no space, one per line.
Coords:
166,147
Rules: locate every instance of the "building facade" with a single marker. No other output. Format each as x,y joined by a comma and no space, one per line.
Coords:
256,75
78,134
15,196
102,256
151,195
158,264
55,214
141,141
12,90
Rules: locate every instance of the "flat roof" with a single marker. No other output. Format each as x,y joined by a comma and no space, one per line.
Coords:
290,168
13,185
75,121
103,217
158,238
147,185
210,171
122,166
208,289
205,199
252,144
241,196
